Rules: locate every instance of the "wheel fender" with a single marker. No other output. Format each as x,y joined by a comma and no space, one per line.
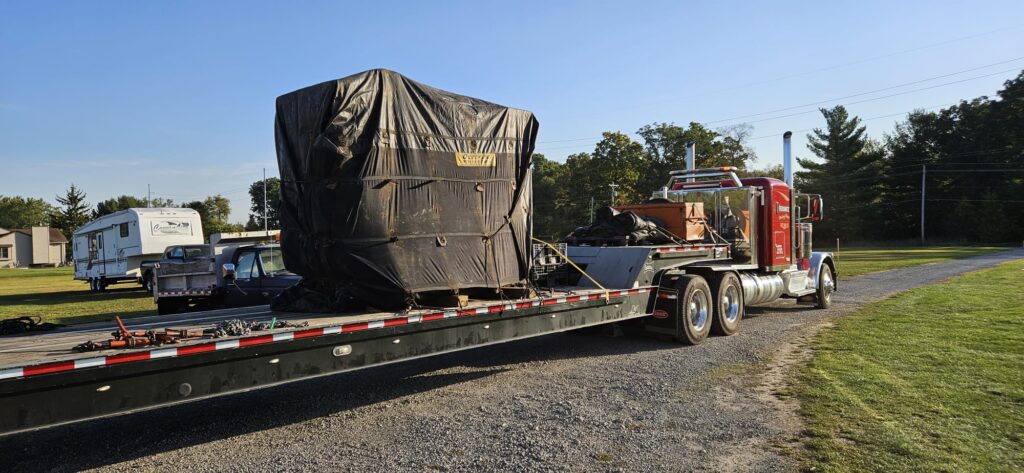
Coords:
818,260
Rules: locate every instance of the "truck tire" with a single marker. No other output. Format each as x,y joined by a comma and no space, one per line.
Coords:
826,283
167,306
694,310
728,303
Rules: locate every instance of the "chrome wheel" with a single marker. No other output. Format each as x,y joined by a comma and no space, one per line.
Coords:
826,284
698,311
730,304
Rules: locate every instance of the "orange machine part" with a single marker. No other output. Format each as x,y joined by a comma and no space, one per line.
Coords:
684,219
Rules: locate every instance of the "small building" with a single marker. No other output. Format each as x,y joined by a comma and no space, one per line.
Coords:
35,246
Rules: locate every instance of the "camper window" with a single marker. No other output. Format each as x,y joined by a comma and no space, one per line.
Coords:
5,252
124,230
94,245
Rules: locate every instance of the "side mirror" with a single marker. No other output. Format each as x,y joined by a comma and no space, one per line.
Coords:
229,271
816,212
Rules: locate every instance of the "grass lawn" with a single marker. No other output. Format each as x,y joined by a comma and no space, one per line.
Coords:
54,295
929,380
857,261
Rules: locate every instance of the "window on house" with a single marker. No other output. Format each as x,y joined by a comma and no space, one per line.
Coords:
5,252
124,230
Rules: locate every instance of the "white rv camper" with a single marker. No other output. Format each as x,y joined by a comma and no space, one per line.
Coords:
112,248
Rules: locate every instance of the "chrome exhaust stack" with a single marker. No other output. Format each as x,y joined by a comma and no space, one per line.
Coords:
787,158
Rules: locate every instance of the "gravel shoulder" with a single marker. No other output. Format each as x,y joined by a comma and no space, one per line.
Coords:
578,402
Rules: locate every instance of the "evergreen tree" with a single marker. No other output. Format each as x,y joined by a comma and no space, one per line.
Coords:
847,176
73,213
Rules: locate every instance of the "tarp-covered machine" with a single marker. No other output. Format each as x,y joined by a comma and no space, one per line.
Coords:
394,191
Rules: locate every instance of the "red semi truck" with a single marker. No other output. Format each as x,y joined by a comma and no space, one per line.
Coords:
743,242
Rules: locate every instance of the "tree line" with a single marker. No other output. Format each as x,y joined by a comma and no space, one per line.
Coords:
970,156
72,211
968,159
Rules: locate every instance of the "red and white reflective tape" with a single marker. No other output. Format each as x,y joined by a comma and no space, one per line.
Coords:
187,292
119,358
681,249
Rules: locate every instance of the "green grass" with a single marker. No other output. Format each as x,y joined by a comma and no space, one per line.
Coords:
860,260
928,380
54,295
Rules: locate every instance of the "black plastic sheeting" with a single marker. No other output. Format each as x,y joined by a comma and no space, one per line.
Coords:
393,190
615,228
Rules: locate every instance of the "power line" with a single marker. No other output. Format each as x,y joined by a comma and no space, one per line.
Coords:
868,92
839,66
884,96
813,111
776,135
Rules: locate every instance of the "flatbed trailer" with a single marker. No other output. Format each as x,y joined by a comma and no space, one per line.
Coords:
43,382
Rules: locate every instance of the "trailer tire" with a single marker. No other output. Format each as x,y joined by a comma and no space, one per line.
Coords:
826,283
694,309
728,303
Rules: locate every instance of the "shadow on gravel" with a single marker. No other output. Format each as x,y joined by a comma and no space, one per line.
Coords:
98,443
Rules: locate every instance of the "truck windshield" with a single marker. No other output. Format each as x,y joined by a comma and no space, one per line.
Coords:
272,261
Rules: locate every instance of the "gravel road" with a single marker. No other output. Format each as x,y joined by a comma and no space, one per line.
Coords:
567,402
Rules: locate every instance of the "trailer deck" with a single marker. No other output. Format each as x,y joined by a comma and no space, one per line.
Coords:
44,382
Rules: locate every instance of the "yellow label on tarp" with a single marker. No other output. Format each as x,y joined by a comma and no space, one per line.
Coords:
475,159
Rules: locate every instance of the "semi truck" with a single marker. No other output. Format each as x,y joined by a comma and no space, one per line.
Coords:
113,248
237,269
747,242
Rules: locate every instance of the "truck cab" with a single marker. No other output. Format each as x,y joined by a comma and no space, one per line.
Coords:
255,275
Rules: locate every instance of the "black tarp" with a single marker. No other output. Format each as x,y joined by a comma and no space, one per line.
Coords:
394,189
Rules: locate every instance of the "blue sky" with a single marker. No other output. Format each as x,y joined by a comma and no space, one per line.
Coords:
116,95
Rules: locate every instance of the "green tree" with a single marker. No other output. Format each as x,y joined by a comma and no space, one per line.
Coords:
72,213
618,160
848,175
775,171
273,202
665,144
971,151
117,204
19,212
161,202
214,213
548,182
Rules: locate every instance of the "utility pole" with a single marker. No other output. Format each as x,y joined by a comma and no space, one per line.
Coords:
265,229
591,209
149,196
691,159
613,186
924,172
